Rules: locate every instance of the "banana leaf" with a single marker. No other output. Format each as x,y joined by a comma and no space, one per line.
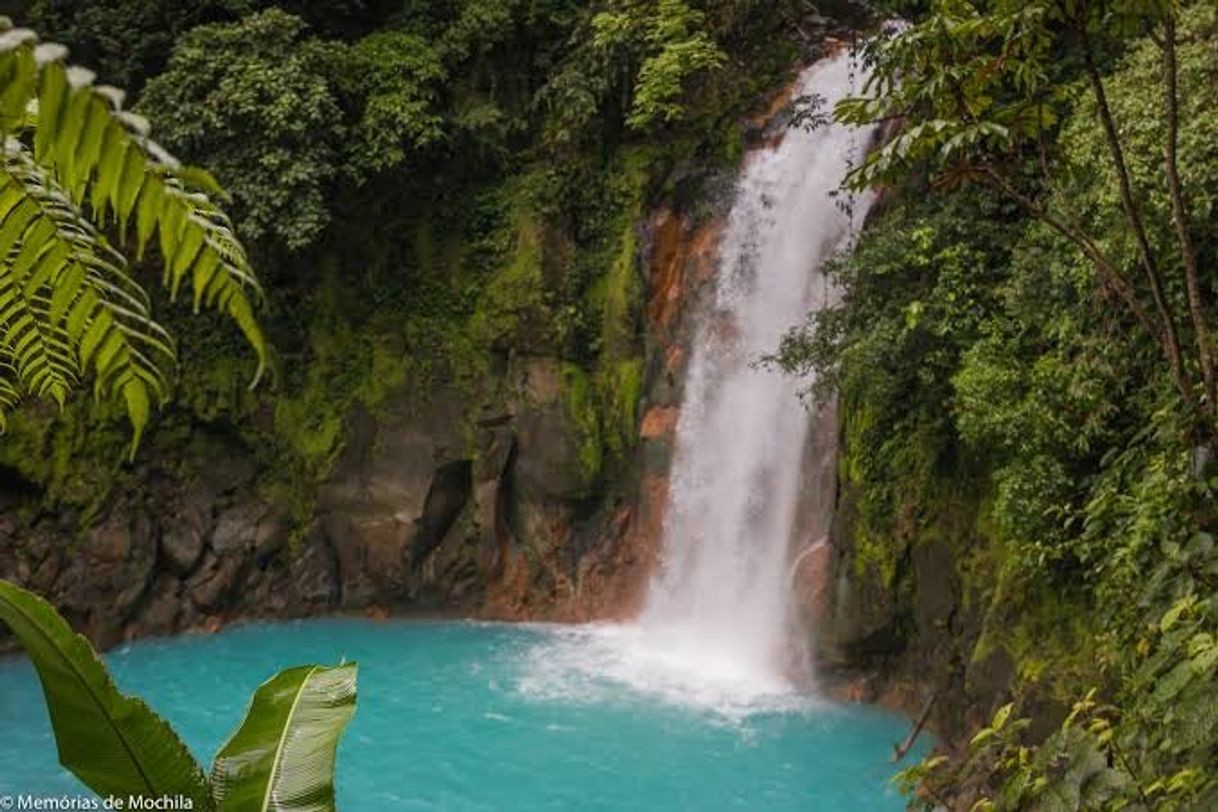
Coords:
113,743
281,758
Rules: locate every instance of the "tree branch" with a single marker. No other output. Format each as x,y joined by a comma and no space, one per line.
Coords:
1171,336
1110,277
1179,214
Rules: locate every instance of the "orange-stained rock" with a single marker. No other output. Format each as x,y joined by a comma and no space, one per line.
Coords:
507,599
677,255
833,46
659,421
775,106
704,249
668,252
610,582
376,613
774,139
674,358
654,502
613,588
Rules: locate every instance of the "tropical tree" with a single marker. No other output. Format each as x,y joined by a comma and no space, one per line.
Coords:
125,40
81,176
1053,373
662,43
254,100
281,757
980,89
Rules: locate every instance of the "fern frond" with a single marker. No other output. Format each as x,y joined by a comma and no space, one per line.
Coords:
68,306
67,302
100,151
10,394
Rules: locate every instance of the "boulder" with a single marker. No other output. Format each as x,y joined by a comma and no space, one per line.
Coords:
215,580
182,541
110,569
252,528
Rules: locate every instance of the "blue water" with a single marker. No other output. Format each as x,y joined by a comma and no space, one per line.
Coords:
465,716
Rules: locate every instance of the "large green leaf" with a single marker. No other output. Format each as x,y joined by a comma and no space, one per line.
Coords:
115,744
282,757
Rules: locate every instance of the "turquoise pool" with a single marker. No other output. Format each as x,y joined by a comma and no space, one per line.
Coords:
472,716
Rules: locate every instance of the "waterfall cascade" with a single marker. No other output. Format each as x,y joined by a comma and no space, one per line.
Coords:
722,594
716,627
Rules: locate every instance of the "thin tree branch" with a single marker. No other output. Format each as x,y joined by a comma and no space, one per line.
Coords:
1110,277
900,750
1179,213
1171,336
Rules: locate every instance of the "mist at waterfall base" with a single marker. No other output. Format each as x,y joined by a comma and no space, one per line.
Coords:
702,703
468,716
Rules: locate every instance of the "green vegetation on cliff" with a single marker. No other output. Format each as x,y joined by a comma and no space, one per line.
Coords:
428,191
1023,356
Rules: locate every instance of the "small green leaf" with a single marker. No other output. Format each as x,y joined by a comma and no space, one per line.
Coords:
281,758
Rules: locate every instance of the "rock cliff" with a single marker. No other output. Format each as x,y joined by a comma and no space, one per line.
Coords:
444,499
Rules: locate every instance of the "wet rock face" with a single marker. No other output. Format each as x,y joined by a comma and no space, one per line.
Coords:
137,573
899,641
548,464
437,503
187,551
404,480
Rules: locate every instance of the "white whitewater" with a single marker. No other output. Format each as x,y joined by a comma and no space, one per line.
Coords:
716,628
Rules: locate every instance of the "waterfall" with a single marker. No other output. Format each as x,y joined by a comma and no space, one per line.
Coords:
716,627
722,594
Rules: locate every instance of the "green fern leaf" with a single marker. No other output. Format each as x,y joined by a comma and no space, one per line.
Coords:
68,305
129,174
75,161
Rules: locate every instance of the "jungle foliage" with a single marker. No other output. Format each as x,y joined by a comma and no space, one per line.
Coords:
1027,321
430,189
426,189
